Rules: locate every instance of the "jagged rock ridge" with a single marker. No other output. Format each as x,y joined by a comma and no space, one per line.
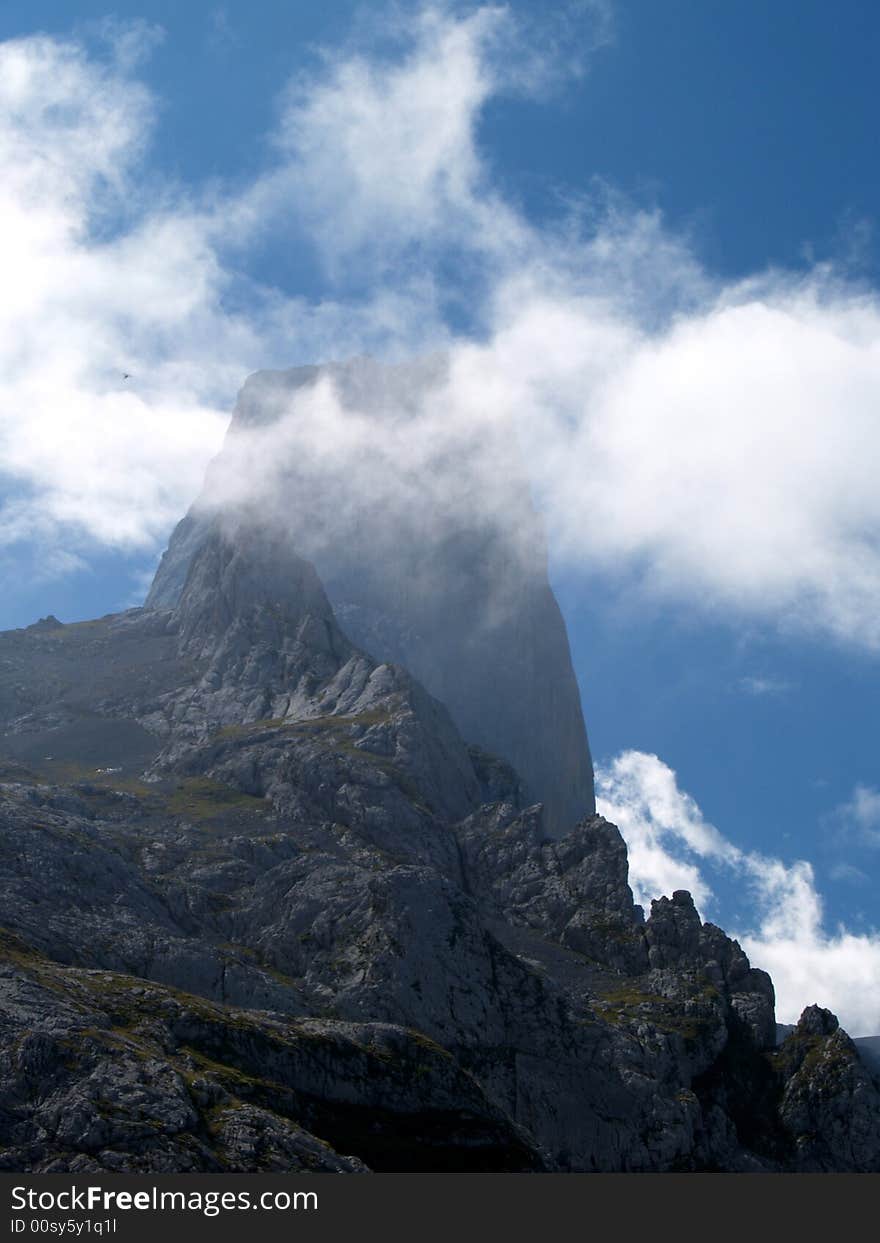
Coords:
265,909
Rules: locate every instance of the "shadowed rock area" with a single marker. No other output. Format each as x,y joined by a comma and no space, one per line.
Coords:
264,909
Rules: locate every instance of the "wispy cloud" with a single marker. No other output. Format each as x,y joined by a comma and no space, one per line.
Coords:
671,845
763,686
849,874
859,817
222,36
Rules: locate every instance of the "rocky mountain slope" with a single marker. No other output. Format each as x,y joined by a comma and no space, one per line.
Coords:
265,908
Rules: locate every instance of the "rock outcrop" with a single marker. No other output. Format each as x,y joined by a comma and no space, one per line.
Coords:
830,1105
265,909
422,529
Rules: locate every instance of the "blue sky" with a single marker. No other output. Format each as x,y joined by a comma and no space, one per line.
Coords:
688,190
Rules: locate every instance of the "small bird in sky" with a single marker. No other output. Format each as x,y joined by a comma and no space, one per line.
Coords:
126,375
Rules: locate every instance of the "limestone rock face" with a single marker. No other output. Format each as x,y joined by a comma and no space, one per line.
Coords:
423,532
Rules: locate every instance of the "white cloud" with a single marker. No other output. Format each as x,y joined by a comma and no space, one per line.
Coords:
671,846
79,306
379,160
724,459
664,829
840,971
379,154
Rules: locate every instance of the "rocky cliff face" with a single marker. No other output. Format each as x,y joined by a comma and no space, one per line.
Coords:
265,909
423,532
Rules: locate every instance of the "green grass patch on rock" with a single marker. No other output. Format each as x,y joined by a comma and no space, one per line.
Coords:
629,1004
201,798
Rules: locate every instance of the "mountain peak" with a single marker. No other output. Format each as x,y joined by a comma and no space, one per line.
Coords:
421,527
